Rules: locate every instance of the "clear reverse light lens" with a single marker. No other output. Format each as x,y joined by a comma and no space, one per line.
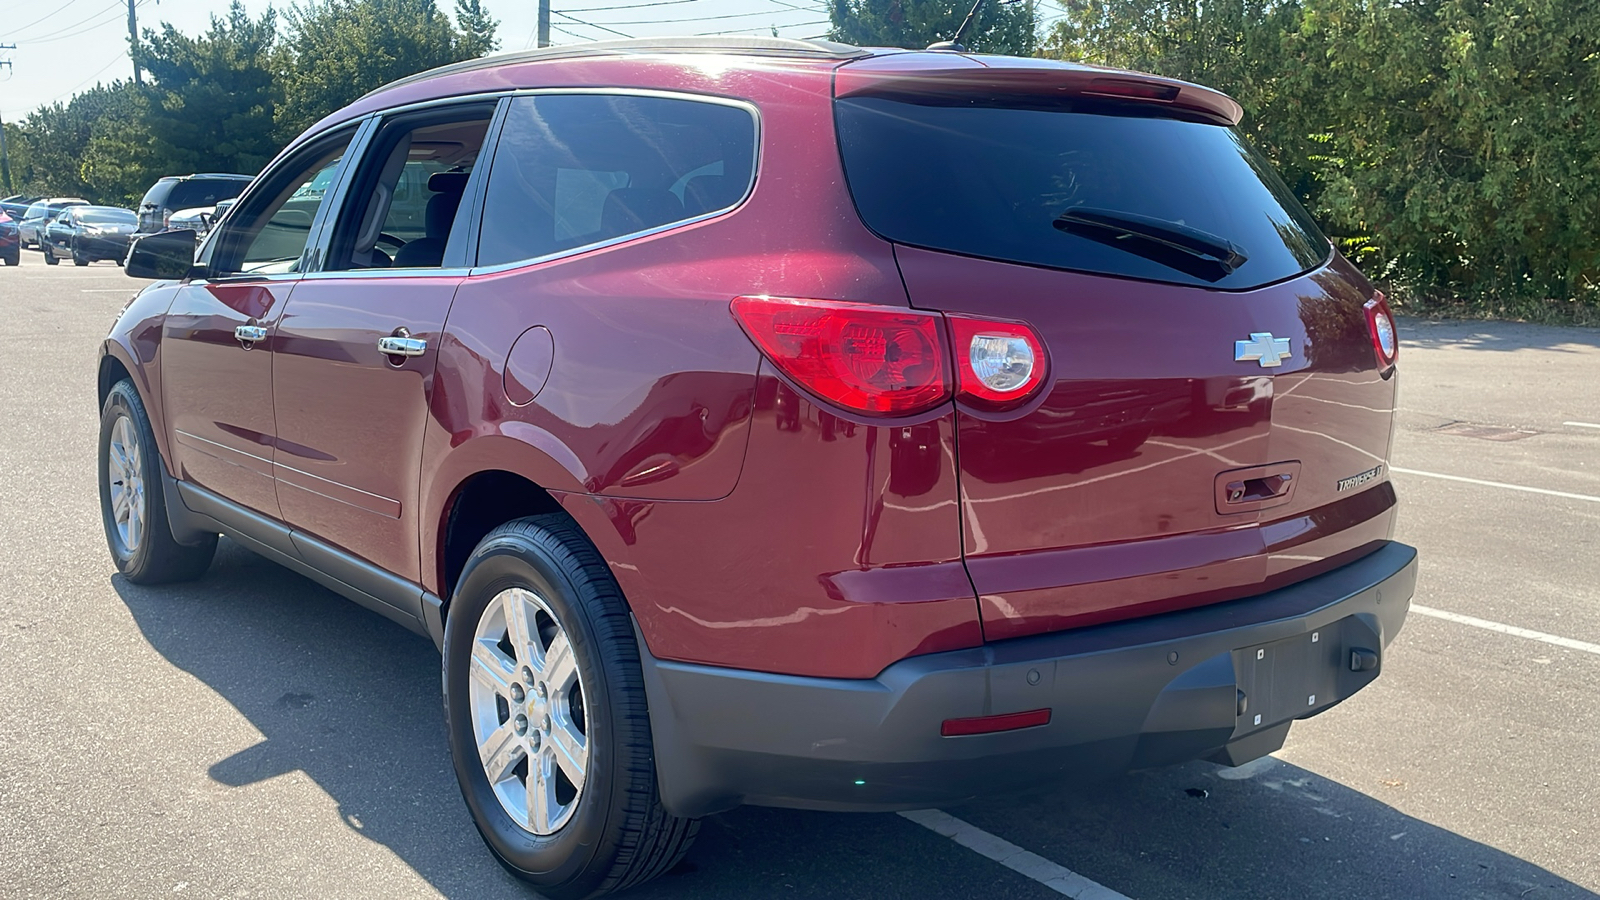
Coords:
1004,362
1385,330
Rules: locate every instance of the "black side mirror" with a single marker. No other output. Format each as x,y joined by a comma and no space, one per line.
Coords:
169,254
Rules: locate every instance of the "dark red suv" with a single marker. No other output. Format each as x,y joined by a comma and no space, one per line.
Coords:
758,421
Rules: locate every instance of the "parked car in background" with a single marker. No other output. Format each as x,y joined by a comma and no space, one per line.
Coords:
10,241
17,204
84,234
180,192
197,219
39,215
646,378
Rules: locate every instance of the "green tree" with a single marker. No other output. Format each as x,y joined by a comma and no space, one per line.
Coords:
1001,27
477,28
209,106
337,50
50,157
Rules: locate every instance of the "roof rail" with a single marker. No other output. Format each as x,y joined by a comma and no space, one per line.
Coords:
734,44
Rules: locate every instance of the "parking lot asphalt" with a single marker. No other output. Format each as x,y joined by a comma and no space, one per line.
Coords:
253,735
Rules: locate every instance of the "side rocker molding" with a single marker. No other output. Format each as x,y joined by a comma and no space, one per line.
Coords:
201,511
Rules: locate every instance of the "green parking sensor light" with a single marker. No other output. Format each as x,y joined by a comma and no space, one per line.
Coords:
859,782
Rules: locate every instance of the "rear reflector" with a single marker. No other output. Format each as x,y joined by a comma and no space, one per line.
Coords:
875,360
991,724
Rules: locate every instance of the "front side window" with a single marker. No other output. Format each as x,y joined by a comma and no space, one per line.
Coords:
269,236
572,170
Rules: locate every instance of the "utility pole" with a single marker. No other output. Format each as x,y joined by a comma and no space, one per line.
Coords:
5,155
133,45
544,23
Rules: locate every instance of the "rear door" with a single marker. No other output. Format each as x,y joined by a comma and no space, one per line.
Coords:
1183,297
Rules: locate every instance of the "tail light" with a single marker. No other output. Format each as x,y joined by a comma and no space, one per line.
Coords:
1380,323
876,360
998,364
888,361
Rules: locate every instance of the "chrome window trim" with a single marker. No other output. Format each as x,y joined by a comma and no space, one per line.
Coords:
453,272
755,168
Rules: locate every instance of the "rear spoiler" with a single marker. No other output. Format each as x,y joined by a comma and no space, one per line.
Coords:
942,75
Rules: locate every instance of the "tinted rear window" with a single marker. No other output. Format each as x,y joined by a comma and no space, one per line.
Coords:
994,181
201,192
572,170
107,216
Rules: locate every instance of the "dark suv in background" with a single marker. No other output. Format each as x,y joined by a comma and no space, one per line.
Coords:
175,192
754,421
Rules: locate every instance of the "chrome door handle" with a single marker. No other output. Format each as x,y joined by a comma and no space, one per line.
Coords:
249,334
402,346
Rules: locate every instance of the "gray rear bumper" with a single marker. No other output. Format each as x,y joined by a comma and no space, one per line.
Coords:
1221,682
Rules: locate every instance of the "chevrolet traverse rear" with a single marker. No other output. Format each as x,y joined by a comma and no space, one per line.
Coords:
782,423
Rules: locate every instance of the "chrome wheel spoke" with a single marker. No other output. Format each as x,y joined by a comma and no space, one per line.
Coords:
500,752
492,668
519,628
542,806
571,748
557,667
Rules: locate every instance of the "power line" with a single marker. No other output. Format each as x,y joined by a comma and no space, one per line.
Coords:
762,28
632,6
114,60
769,12
82,29
557,12
60,9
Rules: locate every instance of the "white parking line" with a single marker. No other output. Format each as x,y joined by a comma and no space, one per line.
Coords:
1581,424
1057,878
1513,630
1498,484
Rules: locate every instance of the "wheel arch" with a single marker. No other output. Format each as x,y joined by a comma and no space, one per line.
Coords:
118,363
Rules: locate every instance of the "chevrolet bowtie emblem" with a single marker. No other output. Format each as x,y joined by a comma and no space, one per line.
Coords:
1262,347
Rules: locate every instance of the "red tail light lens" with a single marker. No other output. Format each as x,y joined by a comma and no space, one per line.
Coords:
998,364
1385,337
875,360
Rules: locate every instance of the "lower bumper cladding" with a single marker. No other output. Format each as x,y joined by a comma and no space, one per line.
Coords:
1221,682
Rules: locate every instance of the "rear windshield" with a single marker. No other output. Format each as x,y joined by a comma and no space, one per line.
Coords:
107,216
1084,186
202,192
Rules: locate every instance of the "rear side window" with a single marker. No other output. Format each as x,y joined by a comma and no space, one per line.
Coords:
157,191
1086,186
572,170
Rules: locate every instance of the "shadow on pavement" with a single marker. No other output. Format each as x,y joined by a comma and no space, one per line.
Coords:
352,700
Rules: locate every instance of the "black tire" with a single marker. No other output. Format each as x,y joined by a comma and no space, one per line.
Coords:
618,835
49,258
156,558
14,259
79,259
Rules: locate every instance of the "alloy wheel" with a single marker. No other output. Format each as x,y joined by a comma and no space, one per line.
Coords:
527,711
125,474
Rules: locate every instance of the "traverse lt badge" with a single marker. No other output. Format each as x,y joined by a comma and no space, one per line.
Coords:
1262,347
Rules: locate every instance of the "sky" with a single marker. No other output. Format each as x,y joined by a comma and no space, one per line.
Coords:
66,46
